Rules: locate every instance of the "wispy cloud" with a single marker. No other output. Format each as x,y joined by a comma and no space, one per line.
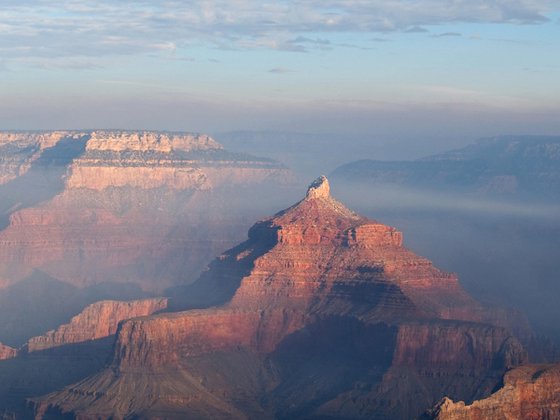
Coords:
415,30
447,34
280,70
72,28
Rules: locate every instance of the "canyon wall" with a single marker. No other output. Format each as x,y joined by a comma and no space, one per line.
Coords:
528,392
98,320
149,208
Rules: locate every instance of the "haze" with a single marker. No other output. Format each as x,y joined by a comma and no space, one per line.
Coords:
424,75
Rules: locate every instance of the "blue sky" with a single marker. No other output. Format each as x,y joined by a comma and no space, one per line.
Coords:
477,67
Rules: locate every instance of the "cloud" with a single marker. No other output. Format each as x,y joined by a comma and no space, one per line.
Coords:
72,28
280,70
416,30
447,34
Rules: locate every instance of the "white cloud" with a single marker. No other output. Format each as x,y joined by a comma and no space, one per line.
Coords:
69,28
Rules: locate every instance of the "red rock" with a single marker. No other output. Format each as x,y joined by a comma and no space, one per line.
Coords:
528,392
98,320
136,207
313,276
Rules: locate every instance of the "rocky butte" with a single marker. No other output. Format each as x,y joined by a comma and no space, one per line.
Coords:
320,313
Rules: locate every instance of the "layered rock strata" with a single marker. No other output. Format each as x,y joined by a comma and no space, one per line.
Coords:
528,392
96,321
149,208
334,317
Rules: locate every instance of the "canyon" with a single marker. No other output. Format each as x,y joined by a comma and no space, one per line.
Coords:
320,313
115,215
108,200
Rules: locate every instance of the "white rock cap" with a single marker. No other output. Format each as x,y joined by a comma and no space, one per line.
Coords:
319,188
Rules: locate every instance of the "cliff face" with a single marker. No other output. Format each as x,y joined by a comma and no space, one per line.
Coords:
330,312
528,392
98,320
118,206
62,356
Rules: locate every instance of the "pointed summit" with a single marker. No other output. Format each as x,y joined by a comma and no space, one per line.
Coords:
319,188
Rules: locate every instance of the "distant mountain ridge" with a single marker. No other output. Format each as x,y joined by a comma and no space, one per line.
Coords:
505,165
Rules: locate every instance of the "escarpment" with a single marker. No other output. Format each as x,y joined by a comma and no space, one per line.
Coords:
96,321
319,313
144,208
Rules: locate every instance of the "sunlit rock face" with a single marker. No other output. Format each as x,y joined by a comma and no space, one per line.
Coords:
96,321
320,313
149,208
528,392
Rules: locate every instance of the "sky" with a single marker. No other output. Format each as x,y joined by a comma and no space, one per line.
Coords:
424,69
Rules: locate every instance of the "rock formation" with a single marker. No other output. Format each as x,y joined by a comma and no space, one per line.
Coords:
149,208
528,392
321,312
6,352
63,356
97,321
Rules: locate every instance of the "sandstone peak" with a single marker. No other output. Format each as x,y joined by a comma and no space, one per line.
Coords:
319,188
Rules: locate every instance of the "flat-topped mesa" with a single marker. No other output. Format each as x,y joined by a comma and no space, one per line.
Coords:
146,141
179,161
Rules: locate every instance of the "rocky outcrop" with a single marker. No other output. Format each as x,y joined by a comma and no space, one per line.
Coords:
528,392
150,208
327,310
7,352
97,321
